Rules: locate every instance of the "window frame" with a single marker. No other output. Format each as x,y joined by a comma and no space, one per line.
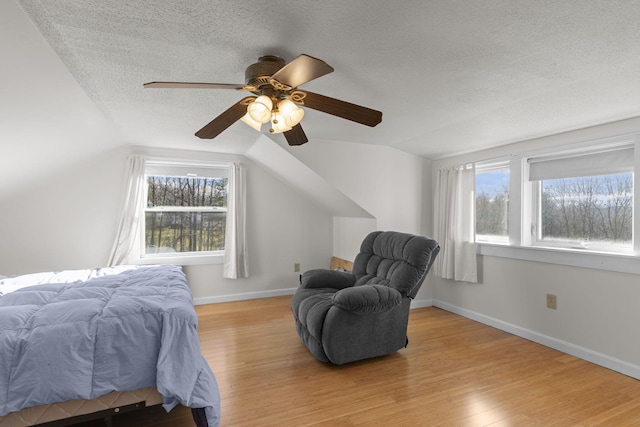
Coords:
577,151
521,214
536,225
169,167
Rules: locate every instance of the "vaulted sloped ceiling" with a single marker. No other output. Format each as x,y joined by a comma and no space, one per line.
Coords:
449,76
47,121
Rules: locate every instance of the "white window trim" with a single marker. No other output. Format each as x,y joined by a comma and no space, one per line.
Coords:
183,259
177,258
520,198
622,263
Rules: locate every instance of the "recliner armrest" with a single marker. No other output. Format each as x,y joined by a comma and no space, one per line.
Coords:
367,299
323,278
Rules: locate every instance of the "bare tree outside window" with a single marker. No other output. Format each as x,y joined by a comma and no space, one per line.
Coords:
185,214
492,205
596,209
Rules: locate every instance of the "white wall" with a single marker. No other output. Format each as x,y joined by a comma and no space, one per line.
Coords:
67,221
284,227
597,315
348,233
386,182
64,220
43,111
597,309
393,186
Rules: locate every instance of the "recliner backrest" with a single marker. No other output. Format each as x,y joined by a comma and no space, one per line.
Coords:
398,260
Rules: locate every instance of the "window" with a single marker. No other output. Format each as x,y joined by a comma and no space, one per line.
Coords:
580,198
586,212
186,209
575,204
584,201
492,202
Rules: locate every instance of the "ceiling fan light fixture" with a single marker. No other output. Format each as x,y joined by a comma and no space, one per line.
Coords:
278,123
260,109
291,112
249,121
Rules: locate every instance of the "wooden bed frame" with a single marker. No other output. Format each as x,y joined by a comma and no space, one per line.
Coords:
341,263
80,410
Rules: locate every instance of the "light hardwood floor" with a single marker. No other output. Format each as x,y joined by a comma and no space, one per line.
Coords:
455,372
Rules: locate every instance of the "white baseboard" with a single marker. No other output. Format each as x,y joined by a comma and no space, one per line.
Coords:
244,296
422,303
595,357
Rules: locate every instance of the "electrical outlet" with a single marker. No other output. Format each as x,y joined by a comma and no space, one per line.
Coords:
552,302
296,267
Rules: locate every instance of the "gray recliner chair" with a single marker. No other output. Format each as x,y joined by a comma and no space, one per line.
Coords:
343,317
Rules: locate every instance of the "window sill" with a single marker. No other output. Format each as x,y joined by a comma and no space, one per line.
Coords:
182,259
621,263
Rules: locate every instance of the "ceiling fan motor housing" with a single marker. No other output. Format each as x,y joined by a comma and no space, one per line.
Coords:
258,74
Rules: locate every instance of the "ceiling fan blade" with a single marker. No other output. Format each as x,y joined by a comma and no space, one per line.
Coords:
224,120
343,109
182,85
300,70
296,136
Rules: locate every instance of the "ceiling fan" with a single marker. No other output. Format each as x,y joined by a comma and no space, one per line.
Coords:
277,98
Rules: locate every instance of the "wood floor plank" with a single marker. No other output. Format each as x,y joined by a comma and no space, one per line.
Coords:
455,372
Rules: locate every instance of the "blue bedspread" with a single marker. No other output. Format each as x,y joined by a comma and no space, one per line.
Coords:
122,330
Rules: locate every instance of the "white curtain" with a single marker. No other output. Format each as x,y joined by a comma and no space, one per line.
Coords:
236,263
127,232
454,224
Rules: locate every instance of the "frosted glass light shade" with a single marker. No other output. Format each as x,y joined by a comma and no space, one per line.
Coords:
278,123
260,109
249,120
291,112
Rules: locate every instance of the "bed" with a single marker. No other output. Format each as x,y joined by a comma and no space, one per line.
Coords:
101,341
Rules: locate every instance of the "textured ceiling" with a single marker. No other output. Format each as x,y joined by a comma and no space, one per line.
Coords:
449,76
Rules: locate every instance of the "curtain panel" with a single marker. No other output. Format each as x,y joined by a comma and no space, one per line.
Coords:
126,248
131,206
236,264
454,224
